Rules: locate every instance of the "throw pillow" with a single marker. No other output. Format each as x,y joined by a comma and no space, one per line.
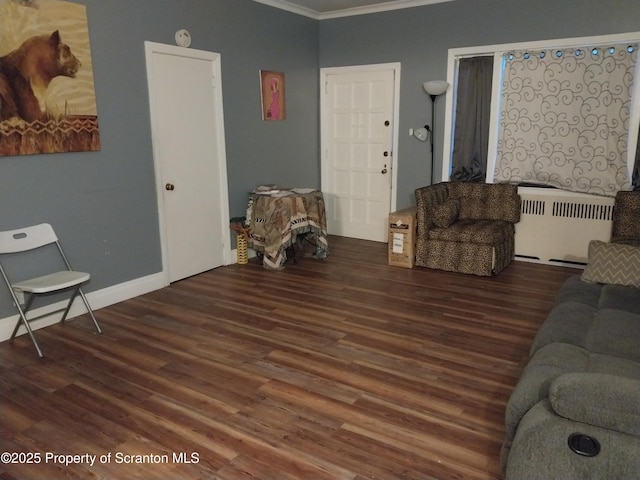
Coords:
446,213
613,263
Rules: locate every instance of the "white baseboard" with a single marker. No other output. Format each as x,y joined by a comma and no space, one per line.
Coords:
98,299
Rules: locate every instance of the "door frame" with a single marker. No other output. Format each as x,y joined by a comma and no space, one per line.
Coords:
324,74
221,187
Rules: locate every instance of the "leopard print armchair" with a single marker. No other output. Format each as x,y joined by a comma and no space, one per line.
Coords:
466,227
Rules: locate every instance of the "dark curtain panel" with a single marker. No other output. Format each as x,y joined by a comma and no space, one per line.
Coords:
635,179
473,108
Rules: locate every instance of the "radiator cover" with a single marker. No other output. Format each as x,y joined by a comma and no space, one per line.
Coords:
556,227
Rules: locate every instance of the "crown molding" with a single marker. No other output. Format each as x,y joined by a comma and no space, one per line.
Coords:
348,12
290,7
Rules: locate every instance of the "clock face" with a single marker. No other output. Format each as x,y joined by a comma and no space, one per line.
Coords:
183,38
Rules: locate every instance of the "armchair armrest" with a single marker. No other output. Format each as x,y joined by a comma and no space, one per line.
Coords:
599,399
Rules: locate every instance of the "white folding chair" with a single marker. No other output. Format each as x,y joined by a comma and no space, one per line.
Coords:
24,292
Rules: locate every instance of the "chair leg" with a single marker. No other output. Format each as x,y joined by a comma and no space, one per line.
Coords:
86,304
23,319
69,303
23,316
22,313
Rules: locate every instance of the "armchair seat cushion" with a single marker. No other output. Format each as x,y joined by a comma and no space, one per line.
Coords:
487,232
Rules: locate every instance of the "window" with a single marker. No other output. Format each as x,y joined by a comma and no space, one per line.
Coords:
569,52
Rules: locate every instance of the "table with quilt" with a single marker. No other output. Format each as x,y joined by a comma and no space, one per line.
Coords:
280,218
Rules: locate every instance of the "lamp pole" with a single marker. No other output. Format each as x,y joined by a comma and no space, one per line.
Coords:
434,89
433,129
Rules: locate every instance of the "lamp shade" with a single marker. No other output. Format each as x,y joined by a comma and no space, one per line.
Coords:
435,87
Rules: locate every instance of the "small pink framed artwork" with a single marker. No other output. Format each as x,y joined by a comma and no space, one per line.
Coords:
272,94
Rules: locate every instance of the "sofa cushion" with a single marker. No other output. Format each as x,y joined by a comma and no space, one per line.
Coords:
620,298
615,333
552,361
488,232
599,295
540,450
568,322
446,213
599,318
574,289
600,399
613,263
598,330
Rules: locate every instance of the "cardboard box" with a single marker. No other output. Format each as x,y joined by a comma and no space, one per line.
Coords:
402,238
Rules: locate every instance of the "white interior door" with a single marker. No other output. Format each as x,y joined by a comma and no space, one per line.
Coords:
359,132
185,97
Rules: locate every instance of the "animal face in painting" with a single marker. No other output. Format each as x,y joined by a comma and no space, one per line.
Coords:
26,72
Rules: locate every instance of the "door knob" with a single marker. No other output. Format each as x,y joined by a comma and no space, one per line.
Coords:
169,186
383,171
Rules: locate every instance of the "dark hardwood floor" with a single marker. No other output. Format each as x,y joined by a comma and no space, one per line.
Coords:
338,369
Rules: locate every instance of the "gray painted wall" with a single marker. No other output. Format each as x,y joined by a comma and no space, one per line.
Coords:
103,204
420,37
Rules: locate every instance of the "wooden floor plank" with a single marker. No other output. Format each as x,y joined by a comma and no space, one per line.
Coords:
342,369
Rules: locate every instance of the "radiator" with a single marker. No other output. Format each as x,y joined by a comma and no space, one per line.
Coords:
556,227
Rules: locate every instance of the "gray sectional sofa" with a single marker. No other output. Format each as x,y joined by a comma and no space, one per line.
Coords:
575,412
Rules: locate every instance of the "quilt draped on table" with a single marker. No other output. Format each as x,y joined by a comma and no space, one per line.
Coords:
278,221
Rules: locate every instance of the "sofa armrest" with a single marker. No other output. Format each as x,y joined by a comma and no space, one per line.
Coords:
599,399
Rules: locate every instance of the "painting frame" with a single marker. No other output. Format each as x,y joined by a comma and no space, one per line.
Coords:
272,95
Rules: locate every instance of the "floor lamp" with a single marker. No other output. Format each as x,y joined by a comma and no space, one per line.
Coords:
434,89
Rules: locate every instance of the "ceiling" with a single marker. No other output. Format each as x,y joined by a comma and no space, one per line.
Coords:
322,9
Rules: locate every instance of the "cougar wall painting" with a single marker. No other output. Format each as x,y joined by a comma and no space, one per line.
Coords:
47,97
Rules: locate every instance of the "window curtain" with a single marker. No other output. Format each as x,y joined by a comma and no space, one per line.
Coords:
473,109
565,118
